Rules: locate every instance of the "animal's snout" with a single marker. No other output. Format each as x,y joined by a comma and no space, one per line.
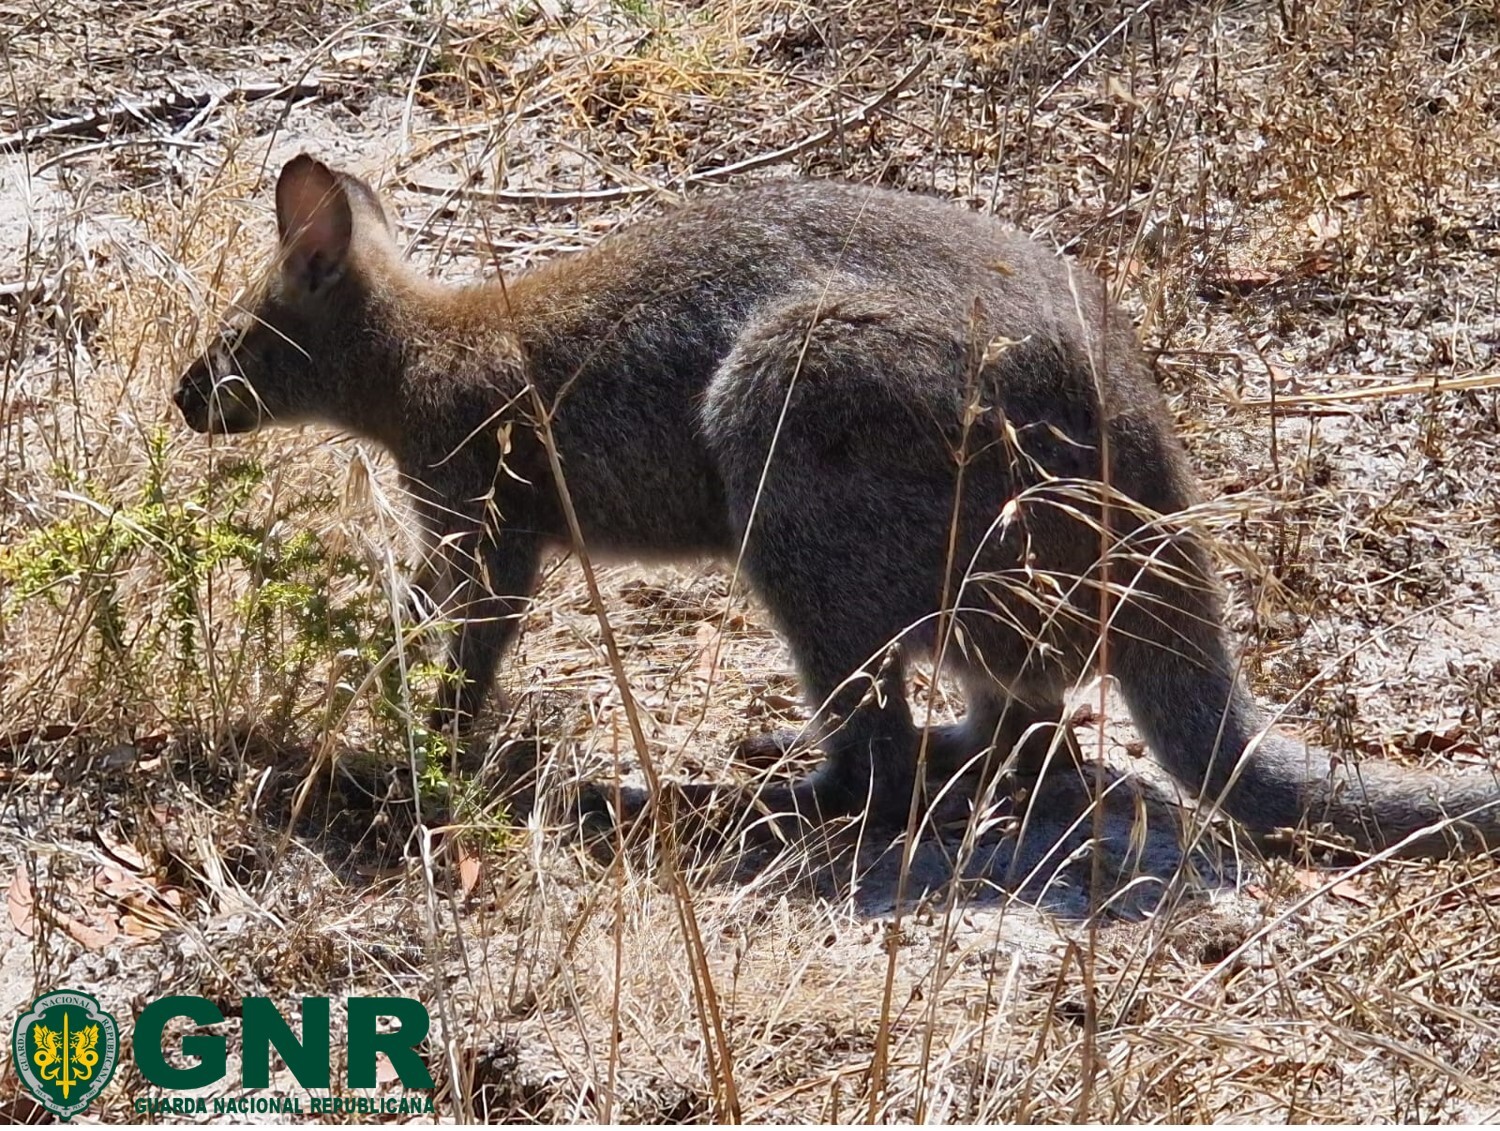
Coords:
194,391
213,396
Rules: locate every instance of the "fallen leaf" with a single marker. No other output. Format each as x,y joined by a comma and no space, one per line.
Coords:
1345,889
1085,715
115,882
1283,379
21,904
1129,271
94,937
144,921
469,869
1448,741
12,743
1241,278
120,848
139,930
761,751
709,647
1315,263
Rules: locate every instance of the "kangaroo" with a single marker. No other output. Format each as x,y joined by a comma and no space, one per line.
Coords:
916,430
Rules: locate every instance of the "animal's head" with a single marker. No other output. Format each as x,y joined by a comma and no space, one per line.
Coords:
305,345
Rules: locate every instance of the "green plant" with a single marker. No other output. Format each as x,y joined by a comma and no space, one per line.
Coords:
145,569
91,556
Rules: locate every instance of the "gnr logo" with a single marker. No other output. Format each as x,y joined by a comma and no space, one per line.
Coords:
264,1028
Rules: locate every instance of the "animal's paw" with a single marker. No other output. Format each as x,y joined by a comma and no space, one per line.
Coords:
458,711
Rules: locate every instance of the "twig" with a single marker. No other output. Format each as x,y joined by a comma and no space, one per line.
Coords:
1433,384
112,144
127,115
30,290
858,118
1067,76
23,289
626,192
533,196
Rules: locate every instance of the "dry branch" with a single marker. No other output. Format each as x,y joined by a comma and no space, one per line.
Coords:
25,290
1427,384
130,115
859,117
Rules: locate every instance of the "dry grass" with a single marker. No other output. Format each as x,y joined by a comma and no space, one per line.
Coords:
207,661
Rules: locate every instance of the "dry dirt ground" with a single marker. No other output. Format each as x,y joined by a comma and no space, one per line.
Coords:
208,783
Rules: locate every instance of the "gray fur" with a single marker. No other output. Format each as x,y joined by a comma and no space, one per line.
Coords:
820,378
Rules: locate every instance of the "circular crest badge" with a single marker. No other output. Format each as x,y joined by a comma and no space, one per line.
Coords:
65,1048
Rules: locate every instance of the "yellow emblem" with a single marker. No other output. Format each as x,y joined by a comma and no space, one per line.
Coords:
66,1047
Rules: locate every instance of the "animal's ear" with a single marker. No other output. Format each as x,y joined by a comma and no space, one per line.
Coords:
366,202
315,222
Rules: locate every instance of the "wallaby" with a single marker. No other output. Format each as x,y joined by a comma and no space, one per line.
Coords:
907,423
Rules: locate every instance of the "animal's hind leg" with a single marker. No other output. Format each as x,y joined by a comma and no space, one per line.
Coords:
842,485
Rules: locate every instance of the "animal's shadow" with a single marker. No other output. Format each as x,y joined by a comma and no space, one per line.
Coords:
1082,840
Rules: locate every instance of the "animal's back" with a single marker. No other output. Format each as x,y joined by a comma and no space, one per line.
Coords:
637,327
727,253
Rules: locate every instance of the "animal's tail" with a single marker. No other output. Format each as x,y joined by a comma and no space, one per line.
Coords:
1201,723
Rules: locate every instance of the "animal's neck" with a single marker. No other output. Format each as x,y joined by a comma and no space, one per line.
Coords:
451,357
